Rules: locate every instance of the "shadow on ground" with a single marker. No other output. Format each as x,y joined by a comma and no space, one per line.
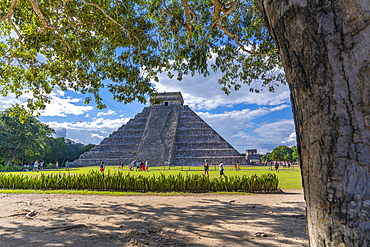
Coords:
121,221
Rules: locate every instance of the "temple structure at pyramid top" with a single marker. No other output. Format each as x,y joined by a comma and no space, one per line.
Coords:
169,99
169,133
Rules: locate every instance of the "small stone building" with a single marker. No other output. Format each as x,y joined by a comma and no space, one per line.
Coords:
168,133
252,157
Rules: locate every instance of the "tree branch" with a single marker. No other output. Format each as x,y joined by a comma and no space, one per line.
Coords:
189,12
20,41
169,12
45,24
13,5
110,18
227,9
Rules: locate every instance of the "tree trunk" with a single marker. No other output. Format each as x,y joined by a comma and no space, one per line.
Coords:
325,48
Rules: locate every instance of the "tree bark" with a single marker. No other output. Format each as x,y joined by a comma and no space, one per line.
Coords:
325,48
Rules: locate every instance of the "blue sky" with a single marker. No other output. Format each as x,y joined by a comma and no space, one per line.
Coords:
246,120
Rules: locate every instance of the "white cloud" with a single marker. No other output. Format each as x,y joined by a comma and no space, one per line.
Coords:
96,136
63,106
281,132
232,122
59,106
89,132
237,128
9,100
278,129
87,115
110,112
291,139
205,93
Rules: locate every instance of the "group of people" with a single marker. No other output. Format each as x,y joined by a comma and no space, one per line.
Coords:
220,166
237,168
121,165
141,166
36,166
280,163
39,166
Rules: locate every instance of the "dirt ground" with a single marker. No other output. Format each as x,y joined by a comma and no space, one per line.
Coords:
190,220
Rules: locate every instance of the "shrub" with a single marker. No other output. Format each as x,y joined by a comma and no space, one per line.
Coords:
94,180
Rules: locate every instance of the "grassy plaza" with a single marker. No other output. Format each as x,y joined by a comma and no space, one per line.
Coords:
288,178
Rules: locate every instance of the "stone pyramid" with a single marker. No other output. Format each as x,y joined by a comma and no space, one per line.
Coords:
166,134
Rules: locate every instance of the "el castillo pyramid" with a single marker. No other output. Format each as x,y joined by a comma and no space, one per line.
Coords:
166,134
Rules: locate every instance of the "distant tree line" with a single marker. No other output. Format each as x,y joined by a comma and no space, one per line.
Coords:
281,153
24,139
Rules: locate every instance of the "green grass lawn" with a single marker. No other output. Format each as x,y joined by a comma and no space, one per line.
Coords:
288,178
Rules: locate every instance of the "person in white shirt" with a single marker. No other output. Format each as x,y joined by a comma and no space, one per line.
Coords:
36,166
221,167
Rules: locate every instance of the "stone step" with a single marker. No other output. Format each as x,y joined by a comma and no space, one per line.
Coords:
226,160
201,145
196,132
159,135
206,152
108,154
119,148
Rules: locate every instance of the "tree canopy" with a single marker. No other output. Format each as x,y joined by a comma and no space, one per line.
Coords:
25,140
123,45
281,153
22,140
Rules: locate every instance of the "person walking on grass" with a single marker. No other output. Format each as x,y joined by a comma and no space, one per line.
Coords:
137,165
102,167
67,165
36,166
206,168
276,166
57,165
221,167
146,165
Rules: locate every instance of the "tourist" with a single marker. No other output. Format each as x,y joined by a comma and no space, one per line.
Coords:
67,165
119,165
130,167
36,166
146,165
143,166
137,165
102,167
221,167
276,166
237,166
206,168
42,165
288,164
57,165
